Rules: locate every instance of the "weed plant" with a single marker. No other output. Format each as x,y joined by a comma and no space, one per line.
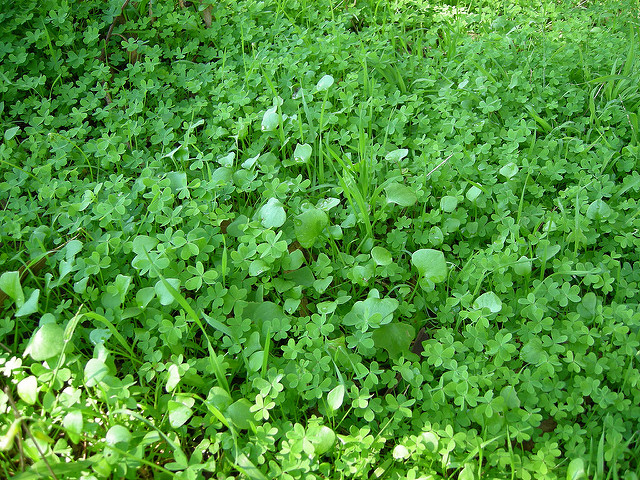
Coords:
318,239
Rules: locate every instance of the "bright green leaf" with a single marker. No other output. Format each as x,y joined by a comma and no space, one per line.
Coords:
47,342
309,226
430,264
400,195
395,338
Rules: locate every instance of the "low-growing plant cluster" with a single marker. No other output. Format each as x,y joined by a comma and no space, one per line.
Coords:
318,239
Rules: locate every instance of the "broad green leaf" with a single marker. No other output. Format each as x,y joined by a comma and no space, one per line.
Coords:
467,473
270,120
371,313
473,193
219,398
335,397
598,210
178,181
381,256
94,372
144,296
400,195
10,284
173,378
179,413
430,264
309,226
118,436
30,306
73,423
272,214
324,83
9,133
302,153
430,439
395,338
396,155
522,267
322,438
258,267
448,203
488,300
47,342
28,389
400,452
240,414
143,244
510,397
164,295
546,251
227,160
509,170
575,470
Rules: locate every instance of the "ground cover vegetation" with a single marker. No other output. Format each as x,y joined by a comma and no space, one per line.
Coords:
312,239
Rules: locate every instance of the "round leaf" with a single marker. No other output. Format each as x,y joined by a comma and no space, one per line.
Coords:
509,170
448,203
488,300
47,342
381,256
324,83
94,372
322,438
575,470
430,264
270,120
302,153
396,155
335,397
240,413
28,389
598,210
395,338
309,225
401,195
163,293
179,413
400,452
118,436
522,267
272,214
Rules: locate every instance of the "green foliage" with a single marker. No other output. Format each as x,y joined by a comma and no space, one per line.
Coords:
317,240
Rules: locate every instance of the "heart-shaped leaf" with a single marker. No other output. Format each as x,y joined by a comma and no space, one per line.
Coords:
430,264
118,436
381,256
302,153
179,413
163,293
395,338
47,342
240,414
272,214
28,389
309,225
321,437
324,83
488,300
335,397
400,194
270,120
